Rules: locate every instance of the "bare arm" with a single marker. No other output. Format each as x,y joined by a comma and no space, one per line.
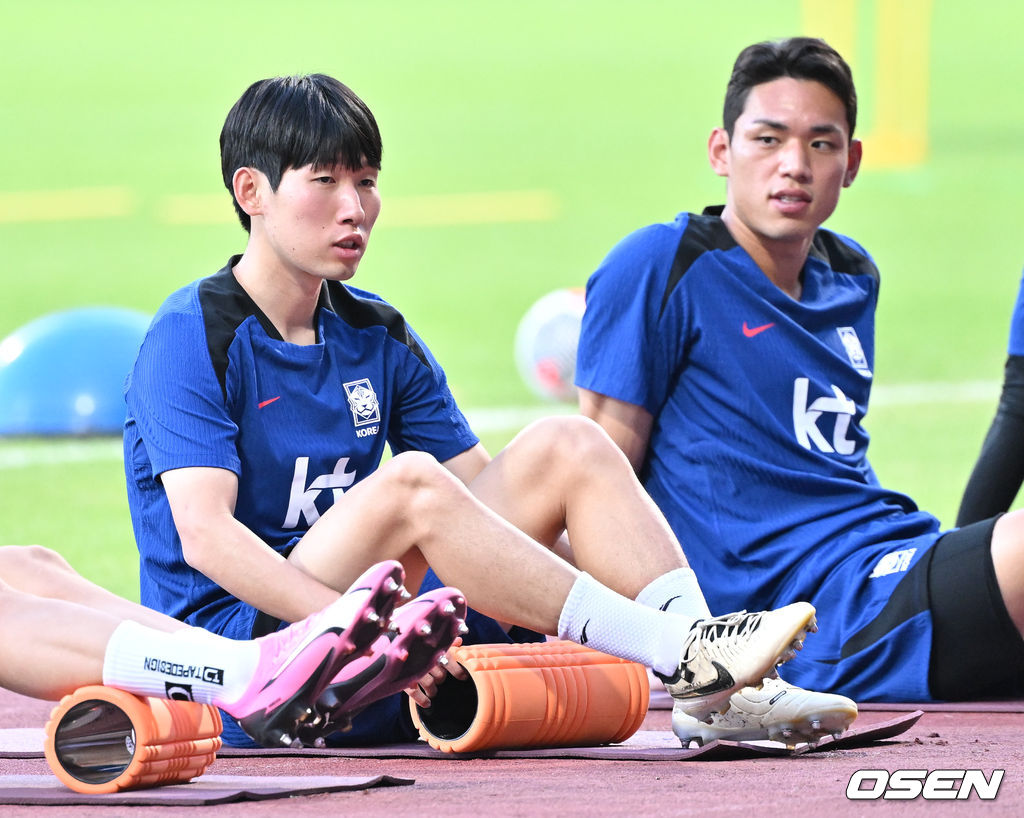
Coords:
213,542
469,464
627,424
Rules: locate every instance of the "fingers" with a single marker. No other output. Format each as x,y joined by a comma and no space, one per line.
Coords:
426,688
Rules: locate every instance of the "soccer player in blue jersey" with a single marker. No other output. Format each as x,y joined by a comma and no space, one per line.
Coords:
259,409
730,354
999,471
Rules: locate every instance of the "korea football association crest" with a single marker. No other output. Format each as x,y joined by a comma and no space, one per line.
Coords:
365,408
854,350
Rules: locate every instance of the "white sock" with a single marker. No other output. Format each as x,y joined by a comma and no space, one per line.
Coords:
596,616
677,591
189,664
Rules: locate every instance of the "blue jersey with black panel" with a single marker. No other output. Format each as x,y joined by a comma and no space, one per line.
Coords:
758,455
215,385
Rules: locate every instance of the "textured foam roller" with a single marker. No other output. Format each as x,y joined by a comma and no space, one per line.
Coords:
100,740
544,694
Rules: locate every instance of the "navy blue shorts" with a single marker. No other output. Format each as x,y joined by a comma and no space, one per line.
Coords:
387,721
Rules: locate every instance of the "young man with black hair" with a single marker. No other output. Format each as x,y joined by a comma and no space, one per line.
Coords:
258,413
730,355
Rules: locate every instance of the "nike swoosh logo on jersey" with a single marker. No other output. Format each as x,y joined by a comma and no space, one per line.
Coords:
750,332
267,402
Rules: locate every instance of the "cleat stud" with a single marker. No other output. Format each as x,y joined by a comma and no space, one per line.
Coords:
815,724
449,609
424,629
463,629
405,594
319,742
390,585
372,616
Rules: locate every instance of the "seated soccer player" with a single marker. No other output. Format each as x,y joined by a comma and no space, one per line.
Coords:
730,355
259,410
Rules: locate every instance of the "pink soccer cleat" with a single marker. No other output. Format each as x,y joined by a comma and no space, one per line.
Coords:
298,662
421,632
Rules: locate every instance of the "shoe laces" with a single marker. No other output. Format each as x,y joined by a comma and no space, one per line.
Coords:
720,628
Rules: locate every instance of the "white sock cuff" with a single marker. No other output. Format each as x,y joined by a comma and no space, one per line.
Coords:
568,621
678,592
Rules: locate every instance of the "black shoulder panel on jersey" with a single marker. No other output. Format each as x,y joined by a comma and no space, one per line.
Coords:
840,256
365,312
703,233
225,306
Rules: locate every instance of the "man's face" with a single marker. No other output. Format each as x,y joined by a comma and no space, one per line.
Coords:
789,156
319,219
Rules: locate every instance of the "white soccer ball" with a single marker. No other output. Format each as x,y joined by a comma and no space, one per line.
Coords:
545,344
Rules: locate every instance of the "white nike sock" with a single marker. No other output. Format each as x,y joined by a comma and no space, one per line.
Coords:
190,664
596,616
677,591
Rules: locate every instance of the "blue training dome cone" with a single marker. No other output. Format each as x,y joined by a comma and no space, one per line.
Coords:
64,373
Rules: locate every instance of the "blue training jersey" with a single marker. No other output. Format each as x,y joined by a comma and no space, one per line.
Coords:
1016,343
215,385
758,455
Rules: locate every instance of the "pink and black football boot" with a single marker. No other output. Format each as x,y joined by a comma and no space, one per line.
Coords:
421,631
298,662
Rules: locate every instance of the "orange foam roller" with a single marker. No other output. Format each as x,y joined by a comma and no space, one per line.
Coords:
100,740
543,694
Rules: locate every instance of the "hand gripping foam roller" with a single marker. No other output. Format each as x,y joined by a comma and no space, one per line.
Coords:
101,740
543,694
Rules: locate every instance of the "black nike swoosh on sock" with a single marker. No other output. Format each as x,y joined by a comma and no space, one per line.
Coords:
583,633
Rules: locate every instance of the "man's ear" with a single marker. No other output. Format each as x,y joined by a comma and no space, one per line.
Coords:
245,184
718,151
853,162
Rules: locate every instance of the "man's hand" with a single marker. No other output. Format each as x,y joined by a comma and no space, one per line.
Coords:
426,688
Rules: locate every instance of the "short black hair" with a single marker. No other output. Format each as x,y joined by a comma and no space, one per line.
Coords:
290,122
803,58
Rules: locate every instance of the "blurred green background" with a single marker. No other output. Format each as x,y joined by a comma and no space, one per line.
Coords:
521,140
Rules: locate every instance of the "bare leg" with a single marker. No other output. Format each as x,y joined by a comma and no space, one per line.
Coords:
1008,558
561,473
42,572
412,508
50,647
56,624
567,473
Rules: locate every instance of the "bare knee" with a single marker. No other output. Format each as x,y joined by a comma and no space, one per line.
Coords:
421,490
25,566
570,440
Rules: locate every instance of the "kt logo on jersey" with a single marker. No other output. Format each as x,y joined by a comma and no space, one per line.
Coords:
362,401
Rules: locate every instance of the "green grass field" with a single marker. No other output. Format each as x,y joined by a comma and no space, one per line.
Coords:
571,122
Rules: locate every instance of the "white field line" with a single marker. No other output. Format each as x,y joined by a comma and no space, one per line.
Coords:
15,454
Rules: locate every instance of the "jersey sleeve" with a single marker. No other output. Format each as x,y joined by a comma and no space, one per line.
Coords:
1016,344
425,416
627,349
175,402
